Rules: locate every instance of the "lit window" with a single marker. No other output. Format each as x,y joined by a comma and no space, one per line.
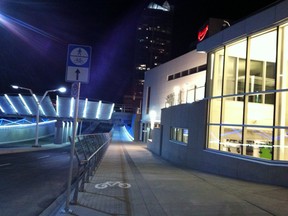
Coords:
180,135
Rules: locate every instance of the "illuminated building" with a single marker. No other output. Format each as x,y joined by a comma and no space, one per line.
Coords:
153,43
179,81
239,128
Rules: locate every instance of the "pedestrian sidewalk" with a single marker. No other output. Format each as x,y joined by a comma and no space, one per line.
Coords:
132,181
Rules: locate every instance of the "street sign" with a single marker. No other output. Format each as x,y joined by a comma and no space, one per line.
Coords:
78,63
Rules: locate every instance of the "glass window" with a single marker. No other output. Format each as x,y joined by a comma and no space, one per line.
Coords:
215,110
258,142
262,62
193,70
213,137
173,133
246,83
231,139
177,75
170,77
148,100
216,75
235,56
281,144
179,134
232,111
260,113
184,73
185,135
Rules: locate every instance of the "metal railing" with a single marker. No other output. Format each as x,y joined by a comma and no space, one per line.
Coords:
89,151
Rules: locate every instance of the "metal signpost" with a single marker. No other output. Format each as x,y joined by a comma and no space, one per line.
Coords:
78,67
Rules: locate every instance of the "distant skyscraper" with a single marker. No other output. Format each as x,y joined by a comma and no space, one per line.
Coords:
153,42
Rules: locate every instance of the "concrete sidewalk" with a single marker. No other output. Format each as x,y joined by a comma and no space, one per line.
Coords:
132,181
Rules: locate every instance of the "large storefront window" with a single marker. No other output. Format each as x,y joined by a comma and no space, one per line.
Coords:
247,109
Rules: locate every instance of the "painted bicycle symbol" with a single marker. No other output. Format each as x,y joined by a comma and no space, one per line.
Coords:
112,184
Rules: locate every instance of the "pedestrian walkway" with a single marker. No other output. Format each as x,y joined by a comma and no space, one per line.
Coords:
132,181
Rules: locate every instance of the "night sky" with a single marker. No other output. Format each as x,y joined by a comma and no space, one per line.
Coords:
35,35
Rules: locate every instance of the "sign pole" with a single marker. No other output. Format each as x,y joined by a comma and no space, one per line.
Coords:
77,71
75,86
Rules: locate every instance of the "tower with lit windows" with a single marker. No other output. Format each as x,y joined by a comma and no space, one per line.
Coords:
153,43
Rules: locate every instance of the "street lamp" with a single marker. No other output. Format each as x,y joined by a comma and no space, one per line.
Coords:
19,87
62,90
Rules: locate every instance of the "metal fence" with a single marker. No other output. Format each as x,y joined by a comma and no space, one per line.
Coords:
89,151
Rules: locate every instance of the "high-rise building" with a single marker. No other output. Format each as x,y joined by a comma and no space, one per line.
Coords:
153,44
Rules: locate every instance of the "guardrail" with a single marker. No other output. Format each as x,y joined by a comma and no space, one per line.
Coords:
89,151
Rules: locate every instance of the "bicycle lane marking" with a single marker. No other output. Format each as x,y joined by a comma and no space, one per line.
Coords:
112,184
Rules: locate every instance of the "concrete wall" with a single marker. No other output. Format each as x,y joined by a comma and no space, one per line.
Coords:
155,144
26,132
195,156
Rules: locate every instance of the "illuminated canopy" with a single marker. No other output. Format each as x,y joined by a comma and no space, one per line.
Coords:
23,106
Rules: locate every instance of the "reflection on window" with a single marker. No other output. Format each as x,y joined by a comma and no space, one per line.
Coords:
213,138
231,139
179,134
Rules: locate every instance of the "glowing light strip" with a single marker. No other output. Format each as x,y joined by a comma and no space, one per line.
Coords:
57,105
25,104
111,110
40,107
2,110
85,108
26,125
18,122
127,133
98,109
10,102
71,107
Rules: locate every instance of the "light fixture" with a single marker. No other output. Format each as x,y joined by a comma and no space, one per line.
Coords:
62,90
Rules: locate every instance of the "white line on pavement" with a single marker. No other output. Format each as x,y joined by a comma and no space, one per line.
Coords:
46,156
6,164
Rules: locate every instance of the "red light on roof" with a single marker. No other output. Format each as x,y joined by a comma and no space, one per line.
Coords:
202,33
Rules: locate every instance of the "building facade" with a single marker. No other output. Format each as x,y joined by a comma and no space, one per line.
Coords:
247,87
239,129
179,81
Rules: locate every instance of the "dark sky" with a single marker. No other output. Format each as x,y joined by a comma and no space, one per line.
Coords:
35,35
